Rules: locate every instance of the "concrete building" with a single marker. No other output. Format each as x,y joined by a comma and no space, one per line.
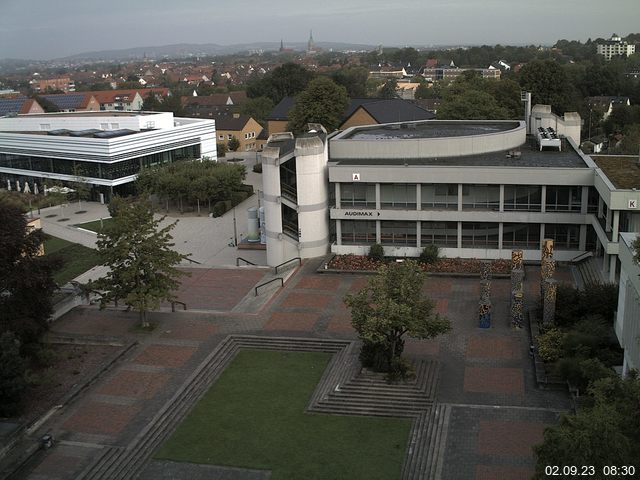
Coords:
474,188
103,149
627,324
614,47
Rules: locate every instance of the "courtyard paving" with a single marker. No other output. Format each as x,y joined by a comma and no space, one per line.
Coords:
497,412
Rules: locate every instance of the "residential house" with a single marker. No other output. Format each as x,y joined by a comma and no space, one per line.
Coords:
63,83
242,127
73,102
606,104
122,100
614,47
212,105
19,105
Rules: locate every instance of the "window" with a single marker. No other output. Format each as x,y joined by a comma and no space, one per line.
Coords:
398,196
479,235
358,232
115,126
104,126
522,198
398,233
565,237
521,235
443,234
45,126
480,197
439,197
563,199
220,137
229,136
357,195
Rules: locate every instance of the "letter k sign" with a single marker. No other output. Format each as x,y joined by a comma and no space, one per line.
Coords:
633,204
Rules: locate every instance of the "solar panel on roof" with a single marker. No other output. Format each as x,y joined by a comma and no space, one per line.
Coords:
11,105
65,102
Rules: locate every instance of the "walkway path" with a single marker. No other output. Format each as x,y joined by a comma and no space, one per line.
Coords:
494,412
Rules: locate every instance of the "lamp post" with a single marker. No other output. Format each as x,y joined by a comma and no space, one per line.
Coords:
235,230
590,110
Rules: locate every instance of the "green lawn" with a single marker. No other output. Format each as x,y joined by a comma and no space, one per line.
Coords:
254,417
95,225
76,259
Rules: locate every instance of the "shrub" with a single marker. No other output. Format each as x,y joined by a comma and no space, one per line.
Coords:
401,369
376,252
596,299
219,208
550,345
374,356
430,254
257,168
12,375
221,149
238,197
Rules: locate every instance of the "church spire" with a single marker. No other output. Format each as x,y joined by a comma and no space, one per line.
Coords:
310,44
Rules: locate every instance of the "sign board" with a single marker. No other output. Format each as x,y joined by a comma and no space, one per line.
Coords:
361,213
632,204
355,177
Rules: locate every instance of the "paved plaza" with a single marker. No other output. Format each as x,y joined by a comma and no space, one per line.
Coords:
486,379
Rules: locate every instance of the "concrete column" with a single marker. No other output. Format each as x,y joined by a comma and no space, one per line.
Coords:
612,268
607,224
605,261
600,206
459,197
543,199
418,231
338,195
459,234
338,232
378,199
583,238
616,225
418,197
501,209
541,233
500,230
584,207
378,232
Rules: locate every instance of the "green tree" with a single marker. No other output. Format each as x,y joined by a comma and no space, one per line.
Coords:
139,255
258,108
233,144
388,90
607,433
548,83
284,81
392,305
471,105
26,279
12,375
321,102
354,79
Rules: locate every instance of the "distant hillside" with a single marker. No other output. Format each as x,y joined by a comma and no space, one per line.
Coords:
194,49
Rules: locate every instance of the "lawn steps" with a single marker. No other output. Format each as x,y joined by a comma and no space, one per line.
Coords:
345,390
126,463
425,454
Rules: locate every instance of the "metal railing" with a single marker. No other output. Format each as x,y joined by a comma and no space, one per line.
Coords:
244,260
288,261
267,283
582,256
193,261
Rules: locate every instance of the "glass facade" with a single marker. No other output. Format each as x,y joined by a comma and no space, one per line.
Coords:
358,195
398,195
358,232
523,198
563,199
290,221
398,233
439,196
565,237
481,197
521,235
443,234
103,170
288,180
480,235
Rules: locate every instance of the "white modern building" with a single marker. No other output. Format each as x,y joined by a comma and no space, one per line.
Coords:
627,324
473,188
103,149
614,47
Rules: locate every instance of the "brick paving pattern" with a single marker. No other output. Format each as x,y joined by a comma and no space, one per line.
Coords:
497,413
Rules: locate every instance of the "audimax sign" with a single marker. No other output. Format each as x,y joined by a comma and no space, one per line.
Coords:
361,213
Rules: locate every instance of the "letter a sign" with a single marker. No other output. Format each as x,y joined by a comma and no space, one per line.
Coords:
356,177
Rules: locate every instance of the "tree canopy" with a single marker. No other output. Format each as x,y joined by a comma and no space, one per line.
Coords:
549,84
138,252
323,101
26,280
392,305
284,81
606,433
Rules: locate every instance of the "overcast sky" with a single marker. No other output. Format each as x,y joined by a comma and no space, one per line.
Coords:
44,29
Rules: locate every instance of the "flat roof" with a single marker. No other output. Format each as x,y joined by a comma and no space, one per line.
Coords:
530,157
429,129
101,113
622,170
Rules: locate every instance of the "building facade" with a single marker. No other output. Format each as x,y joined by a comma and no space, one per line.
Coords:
627,323
614,47
103,149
